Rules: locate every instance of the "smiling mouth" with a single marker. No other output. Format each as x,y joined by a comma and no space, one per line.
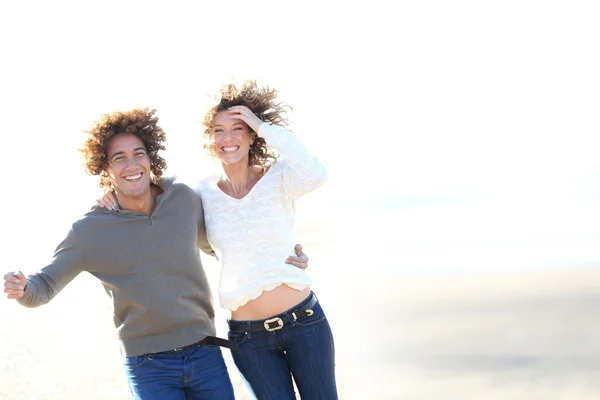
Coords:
229,149
133,178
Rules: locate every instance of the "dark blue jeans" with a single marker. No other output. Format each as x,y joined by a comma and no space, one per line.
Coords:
194,372
302,349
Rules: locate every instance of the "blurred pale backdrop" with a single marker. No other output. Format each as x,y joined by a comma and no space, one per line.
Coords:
455,246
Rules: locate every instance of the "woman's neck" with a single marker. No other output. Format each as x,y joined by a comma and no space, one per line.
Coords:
238,180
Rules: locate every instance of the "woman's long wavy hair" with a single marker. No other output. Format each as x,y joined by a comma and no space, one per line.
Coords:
261,101
141,122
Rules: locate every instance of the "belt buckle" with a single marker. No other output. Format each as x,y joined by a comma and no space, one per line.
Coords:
276,319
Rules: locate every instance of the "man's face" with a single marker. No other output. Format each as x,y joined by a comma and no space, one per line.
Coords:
128,165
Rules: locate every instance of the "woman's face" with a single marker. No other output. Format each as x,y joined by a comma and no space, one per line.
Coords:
231,138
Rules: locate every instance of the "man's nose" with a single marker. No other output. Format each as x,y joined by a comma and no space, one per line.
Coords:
131,162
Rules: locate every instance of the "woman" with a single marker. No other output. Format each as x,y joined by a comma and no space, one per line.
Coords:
276,321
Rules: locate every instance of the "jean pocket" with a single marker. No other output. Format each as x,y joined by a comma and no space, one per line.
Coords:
238,337
137,361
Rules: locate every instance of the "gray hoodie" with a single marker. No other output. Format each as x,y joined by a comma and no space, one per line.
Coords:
149,265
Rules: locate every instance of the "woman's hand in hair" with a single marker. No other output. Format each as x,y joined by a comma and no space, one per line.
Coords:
246,115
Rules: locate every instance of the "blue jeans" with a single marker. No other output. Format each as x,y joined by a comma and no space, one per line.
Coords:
302,349
194,372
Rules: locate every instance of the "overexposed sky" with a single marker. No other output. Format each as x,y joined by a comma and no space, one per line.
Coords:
490,109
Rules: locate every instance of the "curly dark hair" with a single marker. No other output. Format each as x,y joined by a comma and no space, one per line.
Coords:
261,101
141,122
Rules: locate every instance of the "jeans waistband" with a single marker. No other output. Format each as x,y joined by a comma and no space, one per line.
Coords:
211,340
276,322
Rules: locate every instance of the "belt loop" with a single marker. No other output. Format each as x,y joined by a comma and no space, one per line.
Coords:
291,317
249,329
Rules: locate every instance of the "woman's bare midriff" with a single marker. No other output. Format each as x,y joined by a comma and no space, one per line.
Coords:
270,303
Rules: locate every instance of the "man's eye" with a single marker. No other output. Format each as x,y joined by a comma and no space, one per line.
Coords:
140,154
118,159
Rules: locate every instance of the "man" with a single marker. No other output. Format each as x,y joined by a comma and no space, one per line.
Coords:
146,255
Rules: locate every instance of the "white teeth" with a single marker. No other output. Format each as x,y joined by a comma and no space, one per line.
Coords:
133,177
229,149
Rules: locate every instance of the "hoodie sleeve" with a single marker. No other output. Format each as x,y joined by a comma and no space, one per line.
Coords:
67,262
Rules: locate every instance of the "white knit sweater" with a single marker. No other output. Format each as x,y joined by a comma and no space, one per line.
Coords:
253,236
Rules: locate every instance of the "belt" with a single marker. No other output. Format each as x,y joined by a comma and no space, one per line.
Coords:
211,340
277,322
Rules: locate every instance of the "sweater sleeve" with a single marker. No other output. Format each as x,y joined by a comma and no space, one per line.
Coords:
45,284
304,172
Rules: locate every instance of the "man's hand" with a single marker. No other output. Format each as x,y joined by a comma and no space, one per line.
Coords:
14,285
301,259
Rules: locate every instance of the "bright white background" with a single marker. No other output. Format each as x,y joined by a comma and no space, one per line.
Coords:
459,136
466,130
